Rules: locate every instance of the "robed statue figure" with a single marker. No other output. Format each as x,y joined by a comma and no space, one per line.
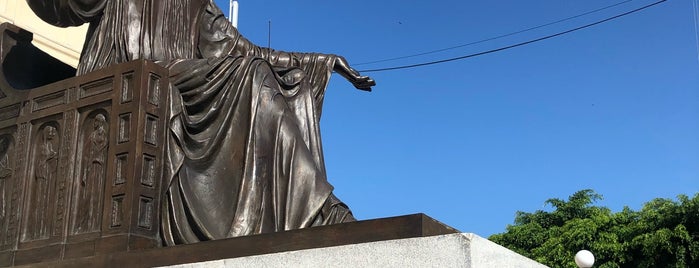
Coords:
243,150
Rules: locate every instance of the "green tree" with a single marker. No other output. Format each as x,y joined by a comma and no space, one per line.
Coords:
664,233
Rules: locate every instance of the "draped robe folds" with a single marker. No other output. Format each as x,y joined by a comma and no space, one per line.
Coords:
243,154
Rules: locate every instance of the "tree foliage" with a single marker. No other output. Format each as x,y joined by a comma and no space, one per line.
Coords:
664,233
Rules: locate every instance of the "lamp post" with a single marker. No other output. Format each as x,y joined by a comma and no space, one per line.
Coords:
584,259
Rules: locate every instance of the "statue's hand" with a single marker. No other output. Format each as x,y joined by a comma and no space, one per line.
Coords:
363,83
359,81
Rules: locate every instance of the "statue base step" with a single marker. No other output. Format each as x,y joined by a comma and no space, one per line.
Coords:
360,232
451,250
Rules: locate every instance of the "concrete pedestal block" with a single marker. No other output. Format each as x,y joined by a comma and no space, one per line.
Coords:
452,250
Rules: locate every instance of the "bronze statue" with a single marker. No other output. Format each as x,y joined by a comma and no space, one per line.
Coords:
243,150
93,176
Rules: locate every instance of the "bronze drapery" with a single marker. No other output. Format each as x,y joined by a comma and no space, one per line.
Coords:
244,151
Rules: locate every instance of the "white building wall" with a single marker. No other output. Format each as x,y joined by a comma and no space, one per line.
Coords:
62,43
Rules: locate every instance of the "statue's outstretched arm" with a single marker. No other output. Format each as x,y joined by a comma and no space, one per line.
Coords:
64,13
288,59
219,37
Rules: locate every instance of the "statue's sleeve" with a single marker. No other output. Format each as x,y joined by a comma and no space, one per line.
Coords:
312,71
64,13
218,38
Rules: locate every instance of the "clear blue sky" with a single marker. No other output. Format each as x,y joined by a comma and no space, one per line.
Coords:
614,108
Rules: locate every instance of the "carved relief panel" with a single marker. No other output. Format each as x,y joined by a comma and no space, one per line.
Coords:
81,165
93,145
13,186
41,182
7,181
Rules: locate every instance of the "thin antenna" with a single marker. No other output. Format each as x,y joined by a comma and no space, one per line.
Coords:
269,34
233,12
695,4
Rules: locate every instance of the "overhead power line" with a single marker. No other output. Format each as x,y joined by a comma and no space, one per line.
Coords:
496,37
515,45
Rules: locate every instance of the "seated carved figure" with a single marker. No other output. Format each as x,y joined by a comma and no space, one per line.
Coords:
243,151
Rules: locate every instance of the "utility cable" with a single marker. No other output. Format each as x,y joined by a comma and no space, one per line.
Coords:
515,45
496,37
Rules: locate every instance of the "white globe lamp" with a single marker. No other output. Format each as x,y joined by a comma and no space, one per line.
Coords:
584,259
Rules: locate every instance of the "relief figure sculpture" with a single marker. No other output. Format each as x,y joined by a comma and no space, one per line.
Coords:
44,174
92,177
6,172
243,152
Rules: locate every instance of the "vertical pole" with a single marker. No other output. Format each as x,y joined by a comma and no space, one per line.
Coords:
233,12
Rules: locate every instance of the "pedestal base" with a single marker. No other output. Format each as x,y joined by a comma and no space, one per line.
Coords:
360,232
452,250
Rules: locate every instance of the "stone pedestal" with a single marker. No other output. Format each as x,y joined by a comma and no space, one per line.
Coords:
412,240
452,250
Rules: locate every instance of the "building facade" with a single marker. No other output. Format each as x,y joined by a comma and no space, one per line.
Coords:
64,44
